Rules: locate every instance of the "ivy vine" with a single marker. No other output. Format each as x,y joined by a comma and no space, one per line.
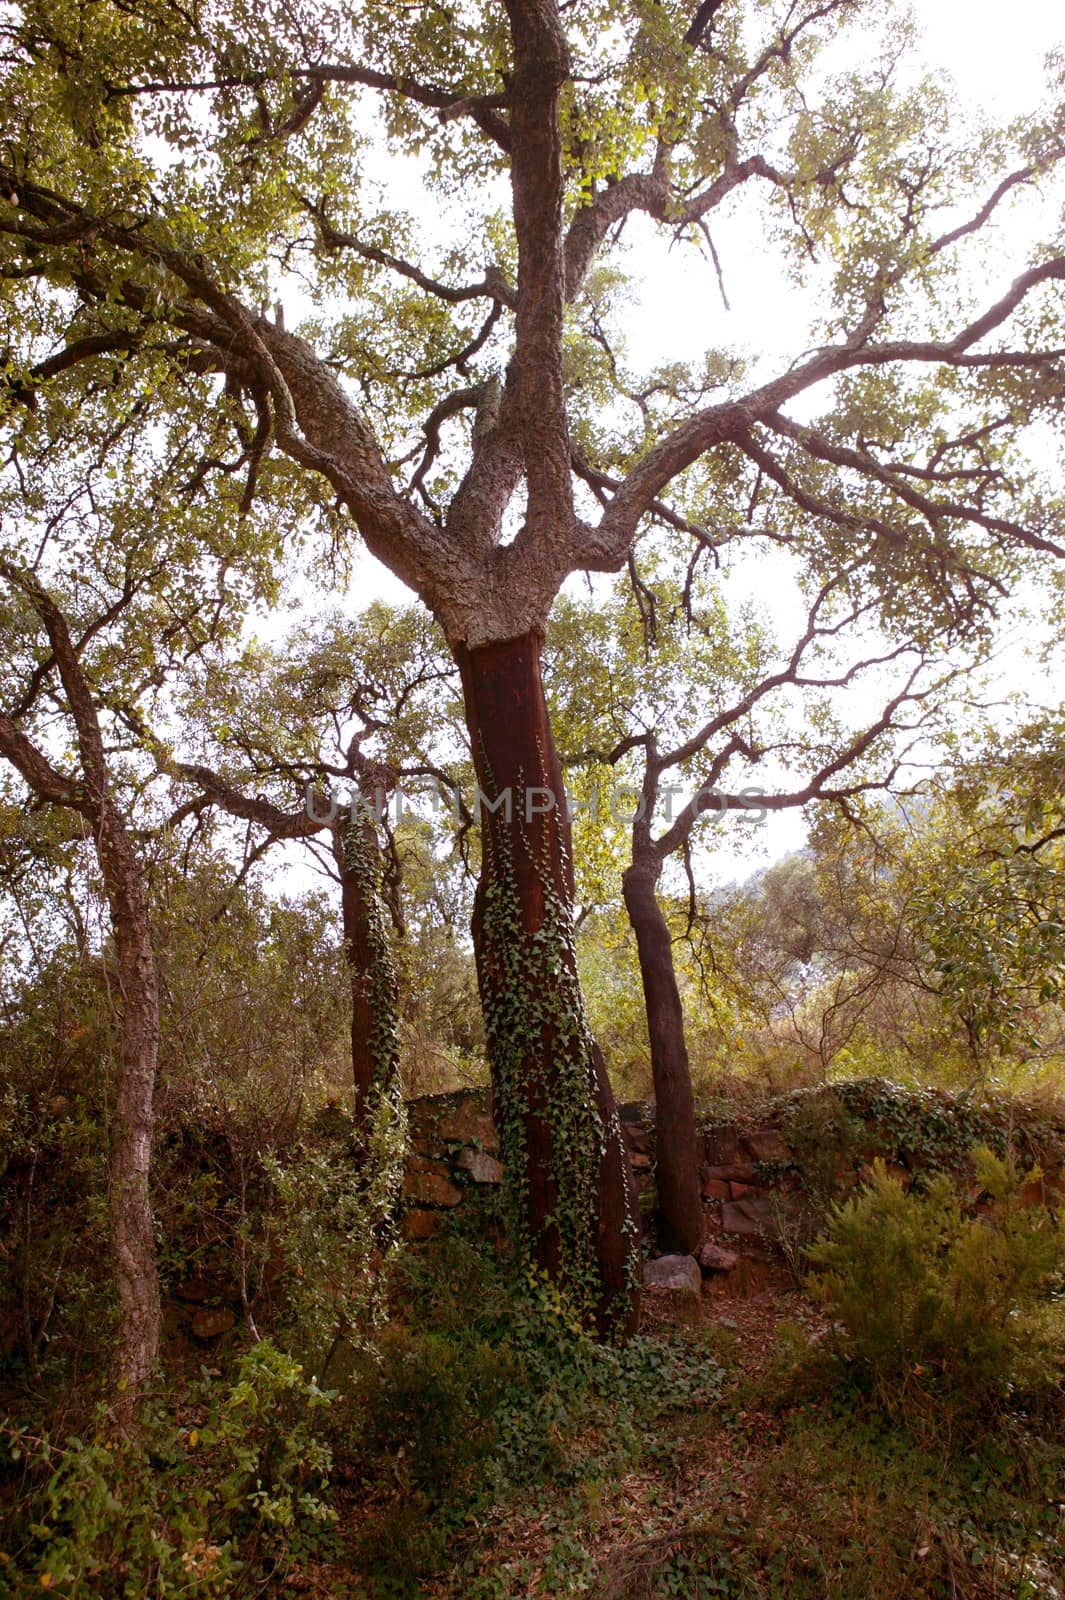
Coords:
361,861
541,1053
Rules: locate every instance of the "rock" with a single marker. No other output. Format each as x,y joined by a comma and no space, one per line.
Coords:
640,1112
715,1258
428,1164
421,1224
677,1273
481,1167
640,1162
720,1146
193,1290
738,1190
211,1321
753,1218
765,1144
429,1188
732,1172
715,1189
464,1117
638,1141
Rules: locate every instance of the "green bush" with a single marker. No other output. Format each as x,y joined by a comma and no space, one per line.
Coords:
196,1509
927,1299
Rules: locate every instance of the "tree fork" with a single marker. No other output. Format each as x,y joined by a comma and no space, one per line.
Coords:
569,1179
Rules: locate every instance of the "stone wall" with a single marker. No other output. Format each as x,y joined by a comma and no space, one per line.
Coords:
765,1179
454,1153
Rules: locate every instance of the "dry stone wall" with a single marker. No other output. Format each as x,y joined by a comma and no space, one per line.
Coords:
765,1179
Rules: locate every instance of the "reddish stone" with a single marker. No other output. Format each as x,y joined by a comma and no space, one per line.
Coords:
738,1190
429,1188
765,1144
464,1117
212,1321
732,1171
417,1163
639,1140
481,1167
753,1218
421,1224
720,1146
193,1290
715,1258
715,1189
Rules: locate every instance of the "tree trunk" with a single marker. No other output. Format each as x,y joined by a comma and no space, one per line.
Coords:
374,990
676,1150
131,1227
131,1231
569,1181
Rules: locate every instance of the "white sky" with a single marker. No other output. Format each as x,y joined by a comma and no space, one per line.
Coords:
996,57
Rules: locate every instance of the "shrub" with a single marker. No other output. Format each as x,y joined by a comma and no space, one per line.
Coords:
930,1300
184,1510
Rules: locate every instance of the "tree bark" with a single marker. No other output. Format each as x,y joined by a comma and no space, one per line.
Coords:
132,1229
569,1180
374,989
676,1150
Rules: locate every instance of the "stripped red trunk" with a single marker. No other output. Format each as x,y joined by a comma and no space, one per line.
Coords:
568,1172
680,1206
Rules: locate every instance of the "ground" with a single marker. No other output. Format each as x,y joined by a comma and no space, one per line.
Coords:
752,1481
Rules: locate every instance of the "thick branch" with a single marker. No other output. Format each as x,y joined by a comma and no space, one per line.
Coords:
250,808
609,543
482,109
541,67
38,772
78,693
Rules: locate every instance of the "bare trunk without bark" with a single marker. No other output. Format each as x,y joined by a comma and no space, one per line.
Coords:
568,1172
676,1150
